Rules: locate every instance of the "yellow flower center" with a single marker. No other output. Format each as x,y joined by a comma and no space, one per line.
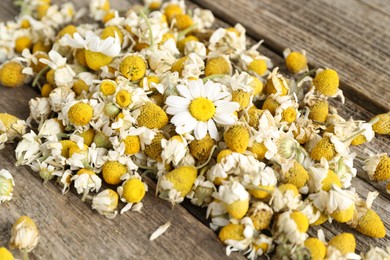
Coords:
301,220
46,89
80,114
108,87
113,171
237,138
201,149
297,175
296,62
316,247
123,98
132,144
79,86
95,60
232,232
258,66
202,109
345,243
217,65
152,116
5,254
289,115
11,75
133,191
133,67
327,82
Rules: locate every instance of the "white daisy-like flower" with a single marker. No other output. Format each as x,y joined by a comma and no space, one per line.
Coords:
199,107
86,181
6,185
110,46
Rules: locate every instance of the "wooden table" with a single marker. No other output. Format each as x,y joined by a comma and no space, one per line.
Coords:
350,36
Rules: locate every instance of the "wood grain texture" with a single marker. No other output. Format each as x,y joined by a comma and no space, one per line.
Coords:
350,36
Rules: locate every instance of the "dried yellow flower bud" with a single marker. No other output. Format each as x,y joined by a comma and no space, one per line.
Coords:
345,243
24,234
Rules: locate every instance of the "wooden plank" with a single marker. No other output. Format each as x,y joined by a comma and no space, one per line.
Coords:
70,229
349,36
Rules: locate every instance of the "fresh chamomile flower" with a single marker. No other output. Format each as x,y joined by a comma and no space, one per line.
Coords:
106,203
98,52
292,226
11,74
176,184
378,167
235,197
24,235
6,185
132,192
199,107
85,181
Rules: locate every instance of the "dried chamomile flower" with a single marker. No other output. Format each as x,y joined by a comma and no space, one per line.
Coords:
176,184
5,254
85,181
286,196
6,185
106,203
11,74
376,253
292,226
378,167
235,197
382,126
316,247
261,215
24,235
344,243
326,82
11,128
132,192
133,67
113,171
296,61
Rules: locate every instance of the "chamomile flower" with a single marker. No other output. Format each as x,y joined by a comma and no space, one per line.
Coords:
11,128
132,192
106,203
85,181
285,197
199,107
292,226
176,184
11,74
24,234
98,52
230,41
7,185
64,74
378,167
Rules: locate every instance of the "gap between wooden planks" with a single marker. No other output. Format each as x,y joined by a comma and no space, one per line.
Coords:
350,36
349,109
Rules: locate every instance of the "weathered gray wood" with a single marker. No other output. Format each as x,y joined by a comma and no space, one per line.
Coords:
350,36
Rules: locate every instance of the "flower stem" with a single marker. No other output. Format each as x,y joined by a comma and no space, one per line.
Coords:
39,75
25,254
213,77
183,33
151,41
208,159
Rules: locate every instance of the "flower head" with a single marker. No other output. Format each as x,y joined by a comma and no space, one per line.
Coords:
106,203
24,234
6,185
199,107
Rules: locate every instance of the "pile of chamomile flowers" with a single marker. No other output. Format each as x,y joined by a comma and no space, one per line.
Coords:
158,91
